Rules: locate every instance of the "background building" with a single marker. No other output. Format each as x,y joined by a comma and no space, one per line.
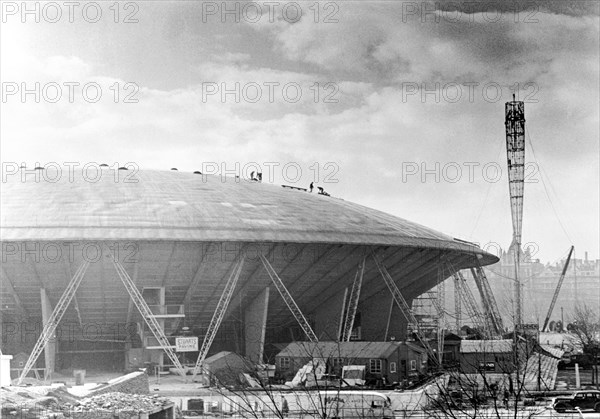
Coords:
396,361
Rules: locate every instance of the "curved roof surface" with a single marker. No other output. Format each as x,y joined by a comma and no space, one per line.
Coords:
177,206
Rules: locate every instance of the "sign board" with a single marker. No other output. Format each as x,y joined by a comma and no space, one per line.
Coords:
186,344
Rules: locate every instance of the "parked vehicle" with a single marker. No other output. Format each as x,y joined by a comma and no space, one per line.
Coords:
354,375
584,400
323,381
344,404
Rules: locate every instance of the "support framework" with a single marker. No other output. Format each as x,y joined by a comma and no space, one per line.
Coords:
457,305
468,301
489,301
289,301
219,314
557,291
341,325
147,315
404,307
55,317
515,150
353,302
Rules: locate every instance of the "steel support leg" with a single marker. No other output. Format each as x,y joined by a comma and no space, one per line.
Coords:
403,306
219,314
490,301
147,315
289,301
353,301
55,317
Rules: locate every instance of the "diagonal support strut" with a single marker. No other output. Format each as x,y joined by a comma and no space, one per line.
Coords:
55,317
219,314
468,301
403,306
353,301
147,315
289,300
489,302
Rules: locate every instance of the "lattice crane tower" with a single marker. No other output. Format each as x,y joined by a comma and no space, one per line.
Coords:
515,150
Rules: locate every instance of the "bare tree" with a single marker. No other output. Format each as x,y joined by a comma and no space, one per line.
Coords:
586,328
314,398
474,390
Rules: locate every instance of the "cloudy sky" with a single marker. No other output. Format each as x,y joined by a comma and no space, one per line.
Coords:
398,106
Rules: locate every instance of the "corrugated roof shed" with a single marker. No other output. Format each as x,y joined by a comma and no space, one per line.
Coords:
555,352
344,349
486,346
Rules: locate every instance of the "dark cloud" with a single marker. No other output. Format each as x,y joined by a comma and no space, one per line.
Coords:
570,8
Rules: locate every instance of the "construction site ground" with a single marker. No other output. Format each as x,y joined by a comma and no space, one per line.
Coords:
105,395
164,391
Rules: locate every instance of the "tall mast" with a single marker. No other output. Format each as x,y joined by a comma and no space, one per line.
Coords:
515,150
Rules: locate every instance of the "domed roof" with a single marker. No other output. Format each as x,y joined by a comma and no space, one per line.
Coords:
183,231
177,206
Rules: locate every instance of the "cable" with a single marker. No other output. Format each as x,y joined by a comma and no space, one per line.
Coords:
543,173
487,194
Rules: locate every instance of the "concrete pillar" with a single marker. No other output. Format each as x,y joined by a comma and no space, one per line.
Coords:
50,348
255,324
5,370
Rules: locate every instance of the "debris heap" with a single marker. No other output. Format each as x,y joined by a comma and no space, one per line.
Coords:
120,405
108,405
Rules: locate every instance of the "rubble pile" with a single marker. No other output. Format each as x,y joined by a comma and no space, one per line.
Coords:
133,383
54,406
120,405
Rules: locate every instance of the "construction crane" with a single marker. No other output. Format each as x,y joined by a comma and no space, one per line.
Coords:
557,291
515,150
